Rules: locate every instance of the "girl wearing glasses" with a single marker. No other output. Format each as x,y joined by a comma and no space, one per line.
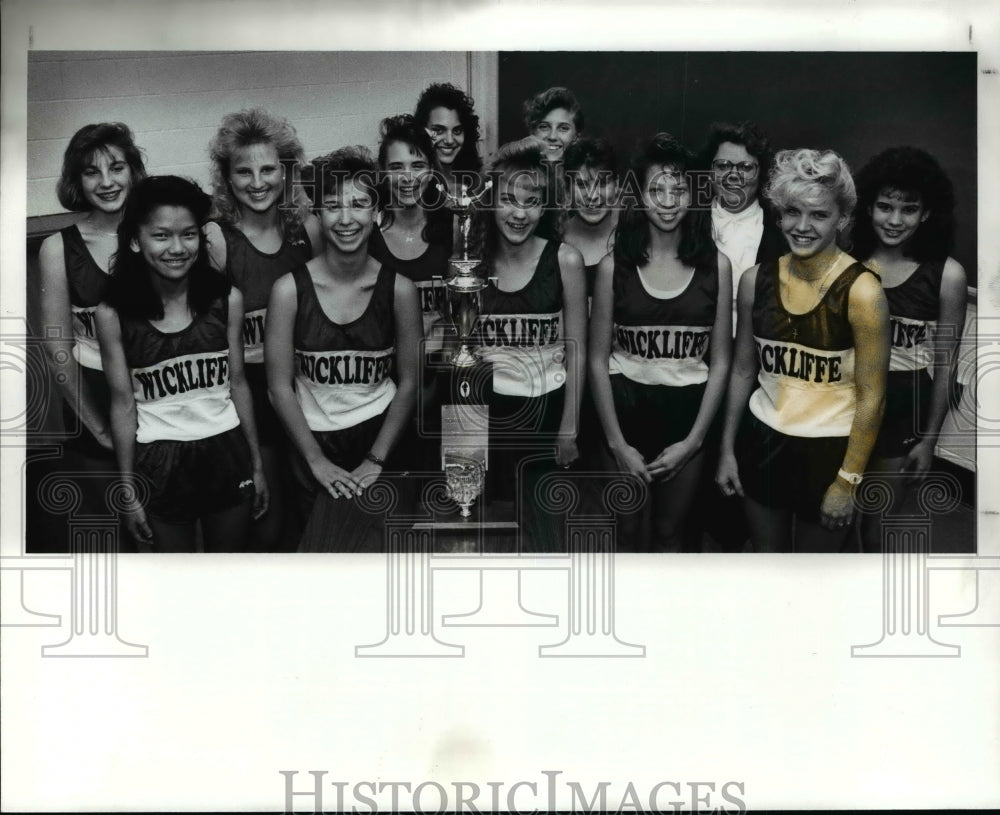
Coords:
814,331
905,232
343,336
261,234
740,159
661,301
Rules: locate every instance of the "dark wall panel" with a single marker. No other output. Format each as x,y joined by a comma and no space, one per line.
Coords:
854,103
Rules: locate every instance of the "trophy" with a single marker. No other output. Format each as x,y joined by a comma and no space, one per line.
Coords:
464,414
463,289
464,481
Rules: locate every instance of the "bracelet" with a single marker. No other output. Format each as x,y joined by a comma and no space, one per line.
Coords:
370,456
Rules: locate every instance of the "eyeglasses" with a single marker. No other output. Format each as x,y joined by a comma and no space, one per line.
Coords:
747,169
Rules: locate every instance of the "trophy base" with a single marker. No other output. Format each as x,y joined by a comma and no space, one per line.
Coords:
465,357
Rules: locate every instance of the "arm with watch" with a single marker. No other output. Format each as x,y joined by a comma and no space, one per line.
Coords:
868,315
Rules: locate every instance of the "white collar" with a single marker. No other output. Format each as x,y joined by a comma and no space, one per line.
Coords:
725,218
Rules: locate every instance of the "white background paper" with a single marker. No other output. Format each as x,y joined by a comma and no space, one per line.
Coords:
747,676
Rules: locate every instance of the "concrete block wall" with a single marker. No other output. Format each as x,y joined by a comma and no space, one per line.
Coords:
174,101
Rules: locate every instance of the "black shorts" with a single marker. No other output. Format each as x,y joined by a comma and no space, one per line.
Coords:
82,441
907,406
652,417
189,479
787,472
270,431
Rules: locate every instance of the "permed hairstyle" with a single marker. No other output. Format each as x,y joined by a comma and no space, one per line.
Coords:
913,173
541,104
802,173
597,154
522,156
239,131
130,290
404,129
751,137
445,95
85,144
352,163
632,236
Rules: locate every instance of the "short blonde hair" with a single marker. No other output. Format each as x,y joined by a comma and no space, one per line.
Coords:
804,172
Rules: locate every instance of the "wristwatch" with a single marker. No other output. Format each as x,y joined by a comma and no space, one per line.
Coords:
851,478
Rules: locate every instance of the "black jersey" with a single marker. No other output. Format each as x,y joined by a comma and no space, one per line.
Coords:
663,341
253,272
343,371
427,272
806,360
914,306
520,332
87,283
180,379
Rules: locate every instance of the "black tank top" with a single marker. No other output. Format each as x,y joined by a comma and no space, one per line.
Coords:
914,306
180,379
343,371
520,332
426,271
663,341
253,272
806,360
87,283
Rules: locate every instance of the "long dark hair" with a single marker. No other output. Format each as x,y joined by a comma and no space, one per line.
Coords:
912,172
130,290
632,236
446,95
404,129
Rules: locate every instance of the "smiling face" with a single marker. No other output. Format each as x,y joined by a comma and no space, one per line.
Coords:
810,222
896,216
666,196
593,194
408,171
735,176
256,177
558,131
447,133
347,217
519,205
106,180
169,241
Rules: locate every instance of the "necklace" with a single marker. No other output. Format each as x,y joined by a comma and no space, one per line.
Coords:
820,289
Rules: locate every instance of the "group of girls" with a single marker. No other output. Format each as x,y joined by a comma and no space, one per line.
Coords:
244,354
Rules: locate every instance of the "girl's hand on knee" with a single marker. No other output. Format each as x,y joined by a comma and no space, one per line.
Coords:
630,461
727,475
672,460
365,474
335,480
837,510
